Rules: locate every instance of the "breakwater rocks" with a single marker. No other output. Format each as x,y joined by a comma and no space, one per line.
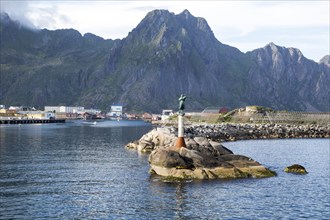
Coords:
200,159
233,132
166,136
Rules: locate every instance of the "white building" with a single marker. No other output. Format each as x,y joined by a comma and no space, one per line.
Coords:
166,113
17,108
116,111
64,109
91,111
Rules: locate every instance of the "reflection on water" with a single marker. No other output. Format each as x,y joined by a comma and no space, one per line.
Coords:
180,199
81,171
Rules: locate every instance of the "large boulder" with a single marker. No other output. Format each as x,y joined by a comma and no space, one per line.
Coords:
190,164
193,155
220,148
169,159
158,137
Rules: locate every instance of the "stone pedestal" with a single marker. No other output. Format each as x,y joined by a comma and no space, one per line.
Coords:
180,141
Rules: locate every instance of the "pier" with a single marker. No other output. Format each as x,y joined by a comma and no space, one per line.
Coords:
31,121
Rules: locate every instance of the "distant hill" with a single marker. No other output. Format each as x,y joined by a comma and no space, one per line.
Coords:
164,56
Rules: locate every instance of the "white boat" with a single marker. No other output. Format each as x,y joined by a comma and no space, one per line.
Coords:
89,122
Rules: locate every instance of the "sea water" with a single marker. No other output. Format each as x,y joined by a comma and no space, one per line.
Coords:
83,171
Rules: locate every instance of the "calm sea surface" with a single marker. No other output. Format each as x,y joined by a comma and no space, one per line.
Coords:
83,171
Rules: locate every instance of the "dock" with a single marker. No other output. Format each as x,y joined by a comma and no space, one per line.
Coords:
31,121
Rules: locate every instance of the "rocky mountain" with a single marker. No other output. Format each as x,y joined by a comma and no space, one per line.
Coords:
42,67
325,60
164,56
284,79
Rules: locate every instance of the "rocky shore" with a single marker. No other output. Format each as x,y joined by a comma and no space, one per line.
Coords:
233,132
205,158
166,136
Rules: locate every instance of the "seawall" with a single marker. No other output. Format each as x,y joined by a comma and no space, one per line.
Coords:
31,121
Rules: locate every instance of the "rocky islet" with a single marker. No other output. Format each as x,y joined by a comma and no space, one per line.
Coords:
204,157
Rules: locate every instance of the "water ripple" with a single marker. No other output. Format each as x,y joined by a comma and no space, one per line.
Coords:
84,172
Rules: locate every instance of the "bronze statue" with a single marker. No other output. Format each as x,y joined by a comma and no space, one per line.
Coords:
182,99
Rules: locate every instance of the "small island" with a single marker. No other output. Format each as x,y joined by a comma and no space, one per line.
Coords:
200,159
194,158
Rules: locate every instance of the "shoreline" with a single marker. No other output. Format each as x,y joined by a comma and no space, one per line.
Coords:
228,132
166,136
233,132
31,121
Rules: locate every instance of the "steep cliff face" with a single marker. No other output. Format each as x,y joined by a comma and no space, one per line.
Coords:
167,54
164,56
283,78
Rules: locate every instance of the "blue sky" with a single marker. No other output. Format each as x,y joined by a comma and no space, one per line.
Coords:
246,25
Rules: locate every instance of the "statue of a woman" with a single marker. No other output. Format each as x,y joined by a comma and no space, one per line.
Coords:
182,99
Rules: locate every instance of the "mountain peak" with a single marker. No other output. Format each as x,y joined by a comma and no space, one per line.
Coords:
162,28
197,22
158,13
326,60
272,46
186,13
280,49
166,55
4,18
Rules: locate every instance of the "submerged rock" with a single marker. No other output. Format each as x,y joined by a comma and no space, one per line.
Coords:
296,168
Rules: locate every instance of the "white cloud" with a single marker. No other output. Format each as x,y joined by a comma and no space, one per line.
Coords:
17,10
